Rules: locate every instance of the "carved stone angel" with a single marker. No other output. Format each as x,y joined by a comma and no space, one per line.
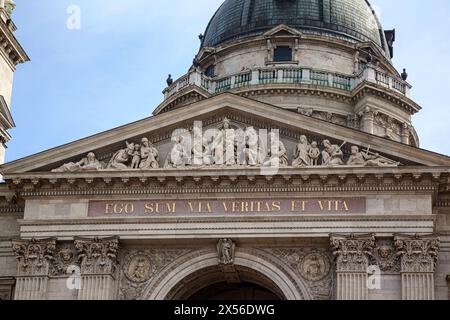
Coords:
225,249
89,163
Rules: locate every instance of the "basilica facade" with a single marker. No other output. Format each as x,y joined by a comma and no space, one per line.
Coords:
282,166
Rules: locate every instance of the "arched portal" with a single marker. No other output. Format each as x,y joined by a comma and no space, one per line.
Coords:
256,275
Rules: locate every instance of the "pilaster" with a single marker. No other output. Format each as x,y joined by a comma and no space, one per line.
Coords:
368,119
418,262
406,129
352,254
34,260
98,258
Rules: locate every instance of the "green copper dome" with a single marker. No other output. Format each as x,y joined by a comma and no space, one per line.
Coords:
352,20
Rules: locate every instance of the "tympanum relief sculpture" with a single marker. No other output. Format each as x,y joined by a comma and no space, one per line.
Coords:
226,146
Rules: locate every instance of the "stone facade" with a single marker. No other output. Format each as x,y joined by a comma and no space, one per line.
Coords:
294,190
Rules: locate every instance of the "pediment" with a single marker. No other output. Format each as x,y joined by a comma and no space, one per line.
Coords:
162,131
282,30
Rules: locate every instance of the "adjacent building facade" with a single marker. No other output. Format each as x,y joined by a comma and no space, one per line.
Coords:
283,165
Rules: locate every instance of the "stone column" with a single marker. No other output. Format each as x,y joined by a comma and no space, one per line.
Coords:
34,260
367,121
352,260
405,133
98,258
418,261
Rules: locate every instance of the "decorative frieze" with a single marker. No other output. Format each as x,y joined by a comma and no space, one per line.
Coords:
228,147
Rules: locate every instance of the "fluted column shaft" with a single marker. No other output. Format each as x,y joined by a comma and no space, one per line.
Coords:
418,262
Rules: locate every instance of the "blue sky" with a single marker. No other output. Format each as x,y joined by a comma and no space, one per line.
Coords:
112,71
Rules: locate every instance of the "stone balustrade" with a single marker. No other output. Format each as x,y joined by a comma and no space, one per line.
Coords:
287,75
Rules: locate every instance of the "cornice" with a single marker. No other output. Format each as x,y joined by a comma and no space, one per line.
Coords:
229,181
192,91
10,47
369,88
351,97
229,219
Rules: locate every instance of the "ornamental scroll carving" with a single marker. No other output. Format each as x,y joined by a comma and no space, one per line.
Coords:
230,146
352,252
34,256
97,256
418,253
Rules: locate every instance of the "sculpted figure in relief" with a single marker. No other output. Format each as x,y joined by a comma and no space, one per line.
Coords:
230,147
136,159
251,151
149,155
90,163
332,155
278,145
314,154
178,157
226,248
301,154
358,158
198,148
121,158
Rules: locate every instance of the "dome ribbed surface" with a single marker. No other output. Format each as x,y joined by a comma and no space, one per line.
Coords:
353,20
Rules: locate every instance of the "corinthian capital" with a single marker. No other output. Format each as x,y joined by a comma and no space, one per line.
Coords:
418,253
97,256
352,251
34,256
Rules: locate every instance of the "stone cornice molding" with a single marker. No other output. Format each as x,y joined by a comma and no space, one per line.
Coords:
10,47
369,88
268,218
363,89
175,181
